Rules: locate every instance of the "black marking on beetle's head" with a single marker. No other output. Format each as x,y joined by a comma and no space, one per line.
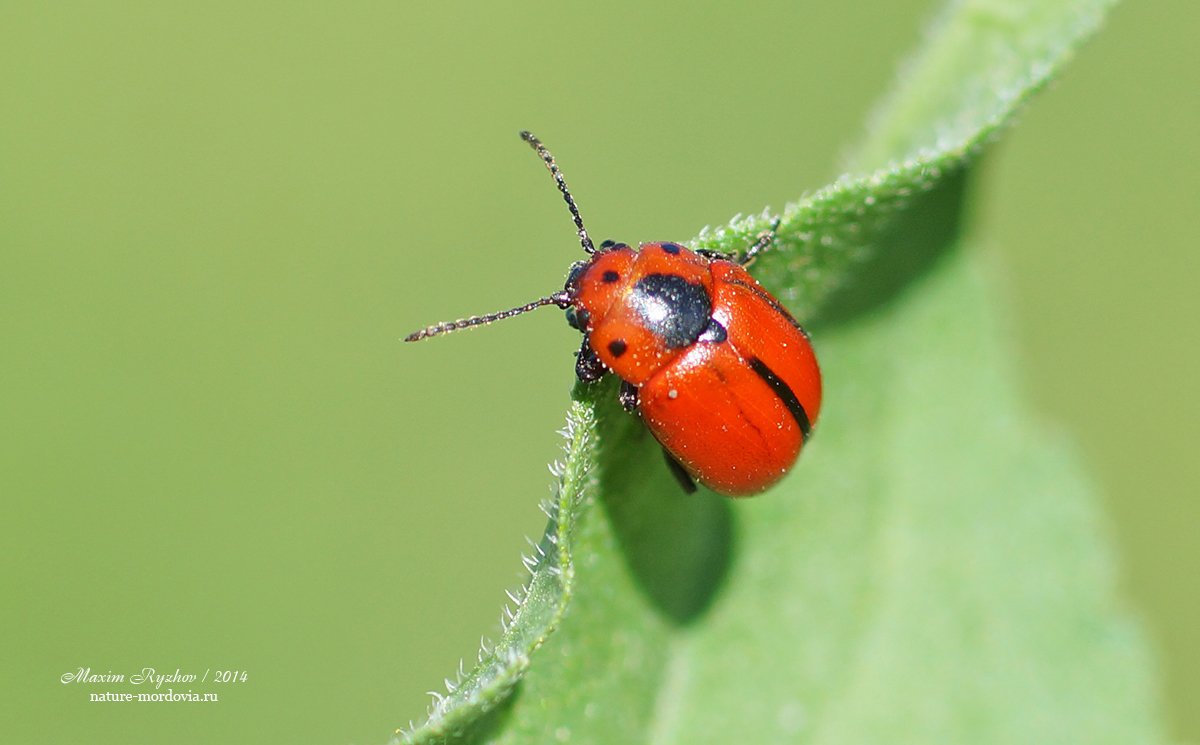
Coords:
671,308
671,248
714,333
607,244
617,347
610,276
785,393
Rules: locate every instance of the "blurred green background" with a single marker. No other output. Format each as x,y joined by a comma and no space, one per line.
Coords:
217,221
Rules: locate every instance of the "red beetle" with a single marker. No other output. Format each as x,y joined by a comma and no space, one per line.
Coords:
720,372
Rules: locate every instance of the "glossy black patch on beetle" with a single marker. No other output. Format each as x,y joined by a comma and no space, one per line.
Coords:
671,308
785,393
608,244
671,248
617,347
610,276
714,333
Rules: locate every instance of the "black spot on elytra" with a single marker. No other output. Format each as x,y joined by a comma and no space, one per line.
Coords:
617,347
671,248
610,276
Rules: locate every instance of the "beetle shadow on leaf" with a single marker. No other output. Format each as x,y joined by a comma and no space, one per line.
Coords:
913,242
678,546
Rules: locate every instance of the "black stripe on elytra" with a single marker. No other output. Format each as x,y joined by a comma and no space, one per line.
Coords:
769,300
784,391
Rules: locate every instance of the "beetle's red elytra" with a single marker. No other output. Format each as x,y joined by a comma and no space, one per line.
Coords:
722,375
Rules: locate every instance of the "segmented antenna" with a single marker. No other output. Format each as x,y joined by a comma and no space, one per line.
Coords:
765,238
548,159
561,299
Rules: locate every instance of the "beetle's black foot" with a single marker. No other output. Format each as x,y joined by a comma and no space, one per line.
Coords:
588,366
713,255
680,473
628,396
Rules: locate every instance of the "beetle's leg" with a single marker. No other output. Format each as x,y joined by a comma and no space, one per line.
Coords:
588,366
714,255
765,239
680,473
628,396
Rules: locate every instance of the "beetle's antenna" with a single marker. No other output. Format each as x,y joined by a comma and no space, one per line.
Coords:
765,238
548,159
561,299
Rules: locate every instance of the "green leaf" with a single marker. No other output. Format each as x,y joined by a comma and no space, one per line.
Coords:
933,571
854,244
